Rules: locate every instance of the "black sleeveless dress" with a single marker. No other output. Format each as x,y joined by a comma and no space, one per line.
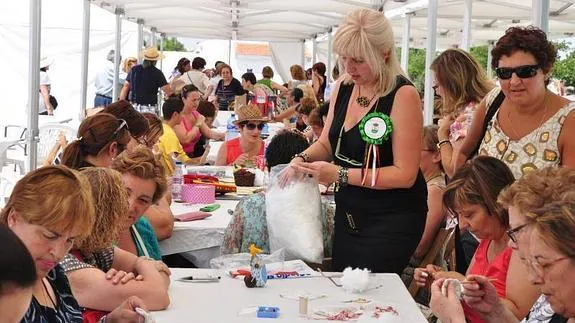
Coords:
374,229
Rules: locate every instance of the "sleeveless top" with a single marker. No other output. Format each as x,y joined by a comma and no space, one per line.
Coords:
234,150
497,269
535,150
266,82
145,239
353,147
189,147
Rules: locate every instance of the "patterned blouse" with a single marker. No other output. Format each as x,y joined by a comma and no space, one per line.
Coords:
76,260
458,129
536,150
249,225
67,309
541,312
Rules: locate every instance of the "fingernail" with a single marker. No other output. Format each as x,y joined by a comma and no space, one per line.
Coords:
424,274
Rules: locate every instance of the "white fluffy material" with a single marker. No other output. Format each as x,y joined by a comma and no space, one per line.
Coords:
355,280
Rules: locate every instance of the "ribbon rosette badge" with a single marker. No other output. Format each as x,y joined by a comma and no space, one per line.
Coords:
375,128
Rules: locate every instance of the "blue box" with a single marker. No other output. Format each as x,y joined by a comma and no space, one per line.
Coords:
268,312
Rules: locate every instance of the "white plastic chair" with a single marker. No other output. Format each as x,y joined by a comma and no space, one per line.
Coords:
48,135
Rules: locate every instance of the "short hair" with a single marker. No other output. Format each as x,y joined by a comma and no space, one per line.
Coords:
171,106
538,188
307,105
462,79
228,67
182,64
188,88
110,205
315,118
137,124
142,163
297,94
284,146
54,197
368,34
17,268
479,183
218,63
198,63
297,72
320,68
207,109
528,39
555,223
267,72
156,130
95,134
430,138
250,77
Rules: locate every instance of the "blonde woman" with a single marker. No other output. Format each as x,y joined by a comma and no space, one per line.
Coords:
374,83
93,261
461,83
297,75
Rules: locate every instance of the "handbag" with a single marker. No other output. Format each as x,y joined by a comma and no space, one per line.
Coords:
53,102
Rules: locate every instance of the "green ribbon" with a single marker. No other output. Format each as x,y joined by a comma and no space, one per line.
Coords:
375,128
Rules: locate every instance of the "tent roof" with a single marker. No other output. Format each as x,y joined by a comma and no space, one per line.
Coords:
296,20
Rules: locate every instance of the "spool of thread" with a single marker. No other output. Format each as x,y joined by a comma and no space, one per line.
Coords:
303,305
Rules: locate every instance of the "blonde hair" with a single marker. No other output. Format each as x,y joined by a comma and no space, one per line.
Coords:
129,62
297,72
142,163
155,130
267,72
308,92
111,207
555,223
430,138
55,197
367,34
462,79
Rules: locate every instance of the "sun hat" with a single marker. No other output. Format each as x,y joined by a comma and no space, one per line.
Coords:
151,54
249,112
45,62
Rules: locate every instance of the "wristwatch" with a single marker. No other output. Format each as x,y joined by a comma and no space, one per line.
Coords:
441,143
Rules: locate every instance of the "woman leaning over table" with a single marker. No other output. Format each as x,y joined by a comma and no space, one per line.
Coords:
93,261
381,206
533,127
50,209
472,196
461,83
541,214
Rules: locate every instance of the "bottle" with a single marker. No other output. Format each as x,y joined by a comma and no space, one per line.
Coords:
177,181
231,130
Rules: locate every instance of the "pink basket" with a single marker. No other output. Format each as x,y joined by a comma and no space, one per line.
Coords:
198,194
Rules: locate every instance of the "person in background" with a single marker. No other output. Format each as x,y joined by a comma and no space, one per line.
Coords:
45,106
297,75
302,116
48,227
197,77
316,123
182,67
268,74
104,82
293,101
136,124
253,89
228,87
242,151
102,275
461,83
101,138
143,82
215,79
17,277
155,131
129,62
248,224
319,80
209,111
329,86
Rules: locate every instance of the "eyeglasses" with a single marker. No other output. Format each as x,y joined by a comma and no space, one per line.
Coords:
540,269
341,157
252,126
512,233
524,71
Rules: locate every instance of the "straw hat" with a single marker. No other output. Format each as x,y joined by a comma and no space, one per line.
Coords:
151,54
45,62
249,112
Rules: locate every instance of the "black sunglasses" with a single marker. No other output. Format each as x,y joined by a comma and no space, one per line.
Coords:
525,71
252,126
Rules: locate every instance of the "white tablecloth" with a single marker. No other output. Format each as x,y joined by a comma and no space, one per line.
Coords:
221,301
201,234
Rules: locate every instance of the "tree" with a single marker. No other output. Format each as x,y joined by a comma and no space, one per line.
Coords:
416,66
564,68
174,45
480,55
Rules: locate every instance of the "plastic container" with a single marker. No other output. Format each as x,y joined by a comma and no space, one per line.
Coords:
231,130
177,181
198,194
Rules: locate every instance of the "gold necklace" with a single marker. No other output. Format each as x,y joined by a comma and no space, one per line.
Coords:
362,101
515,133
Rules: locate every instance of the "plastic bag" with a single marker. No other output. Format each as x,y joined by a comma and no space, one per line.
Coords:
294,217
242,260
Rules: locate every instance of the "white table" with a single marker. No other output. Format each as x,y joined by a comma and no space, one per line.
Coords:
202,238
222,301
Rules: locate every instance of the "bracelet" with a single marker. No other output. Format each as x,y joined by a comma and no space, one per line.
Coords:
441,143
303,156
342,176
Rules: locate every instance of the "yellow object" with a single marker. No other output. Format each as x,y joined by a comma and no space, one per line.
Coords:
169,144
254,250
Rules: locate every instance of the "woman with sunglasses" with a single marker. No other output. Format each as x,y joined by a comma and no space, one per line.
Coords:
193,125
242,151
541,214
101,138
381,203
461,83
522,123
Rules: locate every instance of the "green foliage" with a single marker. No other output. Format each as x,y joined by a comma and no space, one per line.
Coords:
173,45
480,54
416,66
564,68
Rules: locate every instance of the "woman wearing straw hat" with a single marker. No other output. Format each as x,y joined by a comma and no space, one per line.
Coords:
143,82
244,149
45,106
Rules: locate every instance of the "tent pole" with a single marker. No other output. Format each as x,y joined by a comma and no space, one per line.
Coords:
35,31
314,51
140,38
429,56
489,49
405,41
85,57
466,35
540,14
329,56
153,31
303,52
116,85
230,52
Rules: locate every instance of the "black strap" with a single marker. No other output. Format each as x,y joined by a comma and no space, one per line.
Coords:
488,116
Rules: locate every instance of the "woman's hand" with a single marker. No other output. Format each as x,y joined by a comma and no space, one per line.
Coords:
482,295
446,307
159,265
448,274
126,312
120,276
245,159
444,124
323,171
291,173
423,275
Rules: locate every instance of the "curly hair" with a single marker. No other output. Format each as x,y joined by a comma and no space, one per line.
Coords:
307,105
142,163
111,207
529,39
